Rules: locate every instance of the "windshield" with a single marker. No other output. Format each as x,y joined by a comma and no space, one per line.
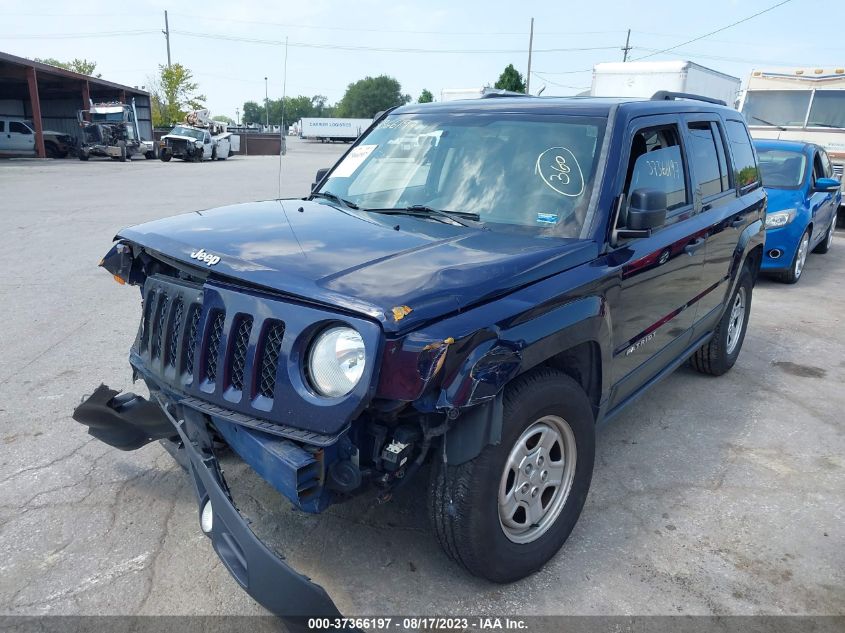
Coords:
186,131
781,169
111,117
776,107
523,172
828,109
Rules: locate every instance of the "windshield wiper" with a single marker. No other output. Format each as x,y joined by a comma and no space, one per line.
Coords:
780,127
458,217
328,195
830,125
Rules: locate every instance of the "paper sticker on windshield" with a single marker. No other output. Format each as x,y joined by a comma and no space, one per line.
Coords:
559,169
353,161
547,218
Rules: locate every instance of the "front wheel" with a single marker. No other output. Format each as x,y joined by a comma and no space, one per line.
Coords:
504,514
798,260
719,354
122,146
165,155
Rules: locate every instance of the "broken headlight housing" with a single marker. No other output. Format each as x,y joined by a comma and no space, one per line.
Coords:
336,361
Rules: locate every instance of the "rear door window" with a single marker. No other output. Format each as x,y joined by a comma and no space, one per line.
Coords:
2,126
708,164
743,161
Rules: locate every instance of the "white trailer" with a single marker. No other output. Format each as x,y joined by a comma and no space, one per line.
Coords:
799,104
328,130
643,79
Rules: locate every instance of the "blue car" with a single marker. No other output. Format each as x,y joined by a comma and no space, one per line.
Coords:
803,200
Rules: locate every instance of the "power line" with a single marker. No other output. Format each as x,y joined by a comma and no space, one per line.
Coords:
71,36
384,49
719,30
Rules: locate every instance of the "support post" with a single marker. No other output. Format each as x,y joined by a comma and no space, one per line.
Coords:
35,104
86,99
530,47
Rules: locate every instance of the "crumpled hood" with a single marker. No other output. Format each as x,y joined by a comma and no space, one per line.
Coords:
178,137
366,263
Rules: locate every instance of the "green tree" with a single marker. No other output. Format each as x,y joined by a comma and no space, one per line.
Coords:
82,66
367,96
425,96
174,93
253,113
511,79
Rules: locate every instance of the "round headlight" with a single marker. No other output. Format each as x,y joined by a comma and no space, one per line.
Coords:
336,361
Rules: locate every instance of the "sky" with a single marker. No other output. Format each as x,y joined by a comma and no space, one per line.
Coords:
231,46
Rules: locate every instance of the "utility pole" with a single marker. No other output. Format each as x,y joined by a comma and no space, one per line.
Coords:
166,32
283,143
627,47
266,105
530,47
238,117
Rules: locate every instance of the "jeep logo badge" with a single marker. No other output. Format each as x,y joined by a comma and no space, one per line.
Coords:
203,256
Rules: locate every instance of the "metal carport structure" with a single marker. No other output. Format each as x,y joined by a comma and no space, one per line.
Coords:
51,96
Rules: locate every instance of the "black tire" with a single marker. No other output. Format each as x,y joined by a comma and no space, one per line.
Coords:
214,153
716,356
824,246
794,273
52,150
165,156
83,154
122,146
463,500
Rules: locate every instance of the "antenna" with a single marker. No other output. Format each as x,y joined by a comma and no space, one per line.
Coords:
282,139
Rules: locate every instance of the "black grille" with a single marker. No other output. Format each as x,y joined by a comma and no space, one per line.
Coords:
191,347
160,322
270,358
214,346
175,333
239,352
145,322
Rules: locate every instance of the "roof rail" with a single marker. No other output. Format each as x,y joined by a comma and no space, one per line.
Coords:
666,95
504,93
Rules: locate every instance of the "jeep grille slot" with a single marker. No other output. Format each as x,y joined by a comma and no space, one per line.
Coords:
175,332
271,348
145,321
161,320
191,344
239,348
215,333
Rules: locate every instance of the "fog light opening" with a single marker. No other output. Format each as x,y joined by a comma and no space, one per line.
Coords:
775,253
207,517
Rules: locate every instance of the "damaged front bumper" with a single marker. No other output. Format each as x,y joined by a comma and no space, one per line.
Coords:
128,422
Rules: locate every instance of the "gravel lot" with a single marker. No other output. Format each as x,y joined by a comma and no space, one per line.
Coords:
710,496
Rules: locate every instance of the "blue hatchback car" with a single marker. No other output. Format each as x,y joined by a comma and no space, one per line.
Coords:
803,200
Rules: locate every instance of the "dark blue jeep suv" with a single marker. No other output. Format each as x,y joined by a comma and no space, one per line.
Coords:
474,285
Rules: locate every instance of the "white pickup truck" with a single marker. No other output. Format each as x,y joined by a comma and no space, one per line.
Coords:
17,137
199,138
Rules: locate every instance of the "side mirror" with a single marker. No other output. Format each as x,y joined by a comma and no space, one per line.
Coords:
826,184
646,209
321,173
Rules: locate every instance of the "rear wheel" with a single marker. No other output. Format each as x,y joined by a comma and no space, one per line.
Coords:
719,354
798,260
504,514
827,242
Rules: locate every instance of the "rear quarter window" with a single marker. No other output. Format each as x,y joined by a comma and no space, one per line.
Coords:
746,174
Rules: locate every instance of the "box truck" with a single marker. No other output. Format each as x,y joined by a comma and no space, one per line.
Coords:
799,104
643,79
328,130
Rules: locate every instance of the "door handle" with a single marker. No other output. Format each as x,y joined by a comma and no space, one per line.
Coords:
738,223
694,246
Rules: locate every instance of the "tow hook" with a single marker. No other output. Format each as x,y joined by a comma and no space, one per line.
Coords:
126,420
